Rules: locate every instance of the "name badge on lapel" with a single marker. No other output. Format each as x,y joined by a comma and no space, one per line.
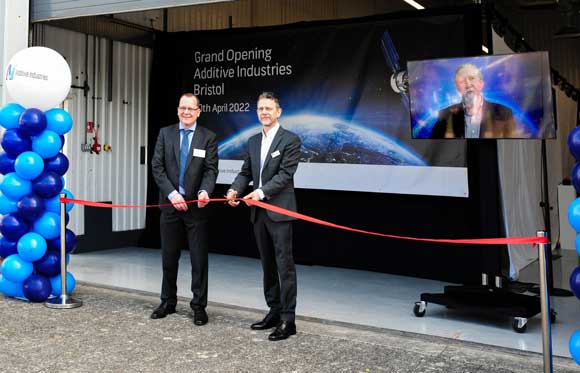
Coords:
200,153
275,154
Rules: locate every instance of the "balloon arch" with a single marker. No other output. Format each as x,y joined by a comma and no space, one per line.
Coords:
38,79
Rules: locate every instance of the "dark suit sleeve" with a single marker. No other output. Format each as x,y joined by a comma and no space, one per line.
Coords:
244,177
444,124
158,166
288,166
439,128
210,165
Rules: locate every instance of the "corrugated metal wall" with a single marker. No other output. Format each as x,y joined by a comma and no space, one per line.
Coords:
55,9
252,13
538,28
116,175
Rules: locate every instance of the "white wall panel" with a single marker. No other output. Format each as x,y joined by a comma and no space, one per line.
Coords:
109,176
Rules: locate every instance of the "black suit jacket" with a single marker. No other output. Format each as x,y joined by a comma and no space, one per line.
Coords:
497,121
277,174
200,173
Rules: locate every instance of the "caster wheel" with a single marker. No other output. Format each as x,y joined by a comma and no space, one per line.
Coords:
520,324
420,308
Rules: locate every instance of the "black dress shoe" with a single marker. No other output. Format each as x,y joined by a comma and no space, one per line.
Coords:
284,330
270,321
163,310
199,316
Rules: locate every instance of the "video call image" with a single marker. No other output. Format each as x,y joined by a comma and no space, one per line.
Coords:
487,97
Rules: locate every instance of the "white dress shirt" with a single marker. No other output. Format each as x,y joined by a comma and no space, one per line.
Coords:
267,138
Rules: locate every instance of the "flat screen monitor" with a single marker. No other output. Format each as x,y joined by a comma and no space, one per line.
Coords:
484,97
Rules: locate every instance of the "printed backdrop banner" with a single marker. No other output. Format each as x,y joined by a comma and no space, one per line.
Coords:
334,85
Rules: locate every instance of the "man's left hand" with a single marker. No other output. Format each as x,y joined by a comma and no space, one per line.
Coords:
254,195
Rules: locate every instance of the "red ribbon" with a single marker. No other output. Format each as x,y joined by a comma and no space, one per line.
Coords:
280,210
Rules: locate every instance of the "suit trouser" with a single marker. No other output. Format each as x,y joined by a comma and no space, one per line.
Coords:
274,240
179,229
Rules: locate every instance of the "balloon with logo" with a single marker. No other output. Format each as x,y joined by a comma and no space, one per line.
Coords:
38,77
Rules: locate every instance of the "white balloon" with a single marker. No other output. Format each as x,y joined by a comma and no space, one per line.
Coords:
38,77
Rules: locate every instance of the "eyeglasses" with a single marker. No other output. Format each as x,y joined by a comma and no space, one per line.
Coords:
185,108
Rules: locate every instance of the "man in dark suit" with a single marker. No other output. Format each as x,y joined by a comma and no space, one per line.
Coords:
474,117
271,161
185,167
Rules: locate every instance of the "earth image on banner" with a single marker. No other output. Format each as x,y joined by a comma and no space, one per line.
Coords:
331,140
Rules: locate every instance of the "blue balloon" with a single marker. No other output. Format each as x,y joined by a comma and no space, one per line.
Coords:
28,165
62,139
52,204
12,226
57,164
31,246
9,115
7,163
574,346
69,195
575,282
574,143
30,207
575,176
56,285
14,187
11,289
58,121
70,242
574,214
37,288
47,144
47,185
48,225
49,264
7,247
32,122
15,142
7,205
16,269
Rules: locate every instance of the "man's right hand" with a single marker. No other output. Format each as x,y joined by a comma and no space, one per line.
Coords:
178,202
230,196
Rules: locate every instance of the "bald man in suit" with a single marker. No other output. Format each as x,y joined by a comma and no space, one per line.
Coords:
270,163
185,167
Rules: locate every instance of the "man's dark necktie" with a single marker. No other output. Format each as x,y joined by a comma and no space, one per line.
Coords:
183,151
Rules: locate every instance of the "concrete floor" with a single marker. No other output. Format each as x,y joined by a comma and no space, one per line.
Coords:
340,295
112,332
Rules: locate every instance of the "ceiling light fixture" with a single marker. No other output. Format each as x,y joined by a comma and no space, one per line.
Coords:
414,4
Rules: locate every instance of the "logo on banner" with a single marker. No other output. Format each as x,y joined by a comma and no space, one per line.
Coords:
10,72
